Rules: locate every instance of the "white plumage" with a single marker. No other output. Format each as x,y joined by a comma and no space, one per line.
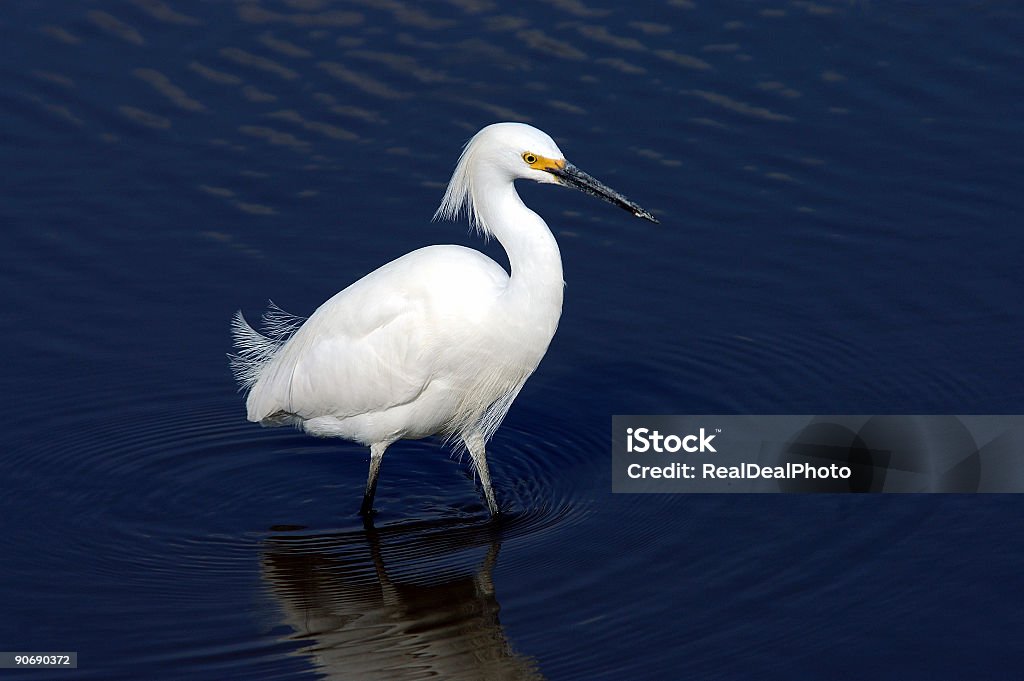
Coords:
439,341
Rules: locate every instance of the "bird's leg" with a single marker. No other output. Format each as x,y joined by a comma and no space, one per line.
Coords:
475,445
376,454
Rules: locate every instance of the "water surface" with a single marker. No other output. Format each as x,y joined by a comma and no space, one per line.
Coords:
838,189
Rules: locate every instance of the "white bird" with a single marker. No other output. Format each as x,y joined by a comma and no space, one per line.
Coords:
439,341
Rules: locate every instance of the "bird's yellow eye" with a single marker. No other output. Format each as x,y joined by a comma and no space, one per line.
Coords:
538,162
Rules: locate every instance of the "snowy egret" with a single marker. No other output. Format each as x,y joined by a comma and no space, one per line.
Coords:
439,341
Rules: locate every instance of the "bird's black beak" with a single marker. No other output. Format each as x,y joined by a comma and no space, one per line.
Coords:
571,176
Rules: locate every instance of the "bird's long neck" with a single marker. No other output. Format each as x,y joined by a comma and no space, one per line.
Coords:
536,278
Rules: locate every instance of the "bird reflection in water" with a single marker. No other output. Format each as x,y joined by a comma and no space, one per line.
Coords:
424,619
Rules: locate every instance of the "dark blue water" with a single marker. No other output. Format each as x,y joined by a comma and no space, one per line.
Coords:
839,191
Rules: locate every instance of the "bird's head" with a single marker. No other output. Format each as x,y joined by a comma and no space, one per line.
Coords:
511,151
518,151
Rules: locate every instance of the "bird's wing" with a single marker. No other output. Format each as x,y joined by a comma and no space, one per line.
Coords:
378,343
346,360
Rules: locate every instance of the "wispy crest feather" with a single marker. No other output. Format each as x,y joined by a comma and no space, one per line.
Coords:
256,349
460,196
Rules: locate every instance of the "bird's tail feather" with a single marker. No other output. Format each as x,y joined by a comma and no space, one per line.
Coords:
256,349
